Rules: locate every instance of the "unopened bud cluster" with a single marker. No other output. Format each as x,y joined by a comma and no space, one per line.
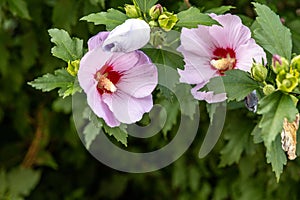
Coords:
287,74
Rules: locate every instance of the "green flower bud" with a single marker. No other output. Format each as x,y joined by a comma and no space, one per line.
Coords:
157,37
259,72
287,82
167,21
73,67
268,89
279,63
153,24
295,63
155,11
132,11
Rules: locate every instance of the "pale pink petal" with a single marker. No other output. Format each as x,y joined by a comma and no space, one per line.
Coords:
128,109
231,34
91,62
133,34
245,54
197,41
95,102
97,40
209,97
139,81
123,61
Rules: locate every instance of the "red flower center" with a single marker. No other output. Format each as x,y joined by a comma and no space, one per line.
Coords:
223,60
107,79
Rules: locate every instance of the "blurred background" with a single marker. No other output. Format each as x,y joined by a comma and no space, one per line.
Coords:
42,157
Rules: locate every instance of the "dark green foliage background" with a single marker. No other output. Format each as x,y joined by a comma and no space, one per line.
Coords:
67,170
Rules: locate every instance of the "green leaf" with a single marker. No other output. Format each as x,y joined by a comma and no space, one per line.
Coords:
172,108
111,18
256,133
60,79
119,133
90,132
274,108
22,180
144,5
192,17
272,35
237,131
3,182
67,48
19,8
220,10
238,84
44,158
65,14
276,157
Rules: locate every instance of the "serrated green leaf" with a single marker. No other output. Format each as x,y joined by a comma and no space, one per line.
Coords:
276,157
19,8
111,18
145,5
192,17
211,109
22,180
119,133
256,133
272,35
60,79
90,132
238,84
67,48
220,10
274,108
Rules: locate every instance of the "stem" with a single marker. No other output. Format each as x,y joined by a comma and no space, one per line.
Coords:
187,2
31,155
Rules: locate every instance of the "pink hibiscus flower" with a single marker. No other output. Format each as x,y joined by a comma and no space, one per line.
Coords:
209,51
118,85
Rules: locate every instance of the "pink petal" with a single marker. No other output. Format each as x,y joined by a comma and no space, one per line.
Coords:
209,97
97,40
246,53
95,102
139,81
232,33
123,61
197,41
91,62
127,109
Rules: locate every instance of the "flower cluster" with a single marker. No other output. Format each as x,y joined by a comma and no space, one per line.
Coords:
287,74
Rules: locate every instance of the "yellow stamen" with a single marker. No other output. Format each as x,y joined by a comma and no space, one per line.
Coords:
223,63
105,83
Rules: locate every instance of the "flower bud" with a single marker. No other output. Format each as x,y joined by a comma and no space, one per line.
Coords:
268,89
259,72
132,11
167,21
279,63
295,63
155,11
153,24
133,34
287,82
73,67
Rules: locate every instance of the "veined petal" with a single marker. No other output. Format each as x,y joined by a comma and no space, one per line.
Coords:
91,62
140,80
209,96
248,52
95,102
128,109
133,34
97,40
